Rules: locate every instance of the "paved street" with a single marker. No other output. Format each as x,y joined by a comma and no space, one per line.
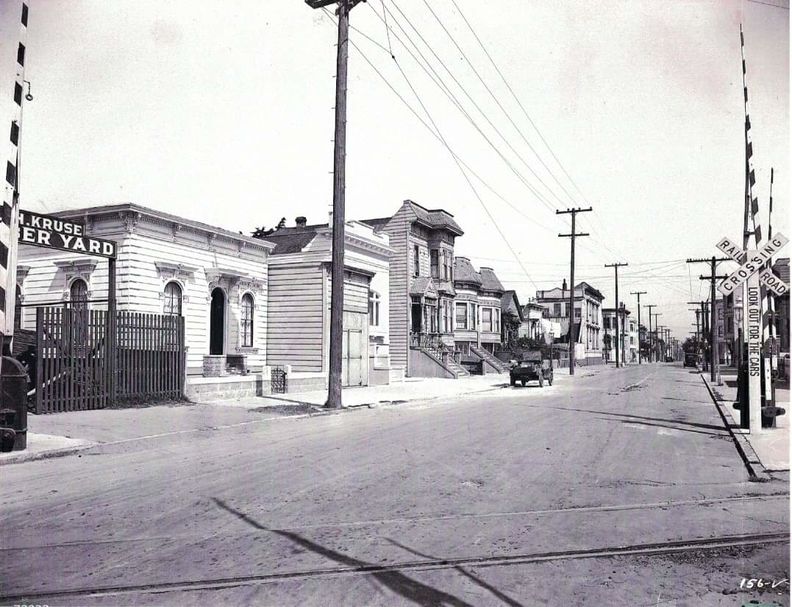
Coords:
566,495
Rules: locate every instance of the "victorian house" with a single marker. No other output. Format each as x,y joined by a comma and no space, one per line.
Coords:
421,290
477,317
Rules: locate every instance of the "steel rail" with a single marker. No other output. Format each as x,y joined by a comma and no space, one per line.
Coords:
763,497
660,548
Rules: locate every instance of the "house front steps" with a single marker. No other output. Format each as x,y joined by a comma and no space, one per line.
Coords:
489,359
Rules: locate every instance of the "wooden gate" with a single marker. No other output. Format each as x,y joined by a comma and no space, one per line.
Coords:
72,361
88,359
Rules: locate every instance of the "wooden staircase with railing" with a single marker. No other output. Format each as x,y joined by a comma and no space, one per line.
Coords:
490,359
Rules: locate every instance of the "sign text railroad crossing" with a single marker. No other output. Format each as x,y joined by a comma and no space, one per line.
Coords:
752,262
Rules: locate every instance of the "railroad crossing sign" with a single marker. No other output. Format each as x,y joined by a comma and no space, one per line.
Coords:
753,262
753,271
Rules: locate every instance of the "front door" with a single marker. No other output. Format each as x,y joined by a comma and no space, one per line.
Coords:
217,322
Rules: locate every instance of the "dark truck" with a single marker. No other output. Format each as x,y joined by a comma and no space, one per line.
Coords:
532,366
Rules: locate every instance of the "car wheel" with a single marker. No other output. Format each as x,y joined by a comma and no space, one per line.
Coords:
513,381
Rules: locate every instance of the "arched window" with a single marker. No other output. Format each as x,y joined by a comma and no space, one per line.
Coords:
247,321
374,308
78,294
173,299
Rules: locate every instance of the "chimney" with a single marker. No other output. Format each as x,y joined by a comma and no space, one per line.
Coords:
301,221
564,285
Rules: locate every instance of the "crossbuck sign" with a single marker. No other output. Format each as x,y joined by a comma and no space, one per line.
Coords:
753,271
752,262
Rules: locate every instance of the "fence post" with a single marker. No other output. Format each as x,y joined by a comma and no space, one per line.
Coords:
39,384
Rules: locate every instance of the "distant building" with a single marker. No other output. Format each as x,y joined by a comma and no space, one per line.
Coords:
532,326
628,336
587,319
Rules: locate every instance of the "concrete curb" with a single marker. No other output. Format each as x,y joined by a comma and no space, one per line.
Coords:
318,411
23,456
744,448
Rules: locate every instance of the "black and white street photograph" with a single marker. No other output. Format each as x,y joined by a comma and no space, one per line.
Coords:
373,303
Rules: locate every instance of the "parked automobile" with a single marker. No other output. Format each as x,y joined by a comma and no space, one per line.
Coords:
691,360
532,367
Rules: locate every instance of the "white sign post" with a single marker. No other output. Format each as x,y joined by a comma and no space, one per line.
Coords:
752,273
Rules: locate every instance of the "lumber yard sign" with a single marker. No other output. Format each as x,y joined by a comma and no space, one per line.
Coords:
56,233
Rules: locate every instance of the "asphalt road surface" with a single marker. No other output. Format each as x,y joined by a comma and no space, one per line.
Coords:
620,487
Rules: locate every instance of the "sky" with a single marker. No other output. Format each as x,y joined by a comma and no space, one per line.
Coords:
222,111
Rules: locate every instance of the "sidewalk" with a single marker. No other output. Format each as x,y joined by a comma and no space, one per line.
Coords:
771,446
399,392
60,434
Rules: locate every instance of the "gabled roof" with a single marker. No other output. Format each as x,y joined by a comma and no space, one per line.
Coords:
509,302
464,272
293,240
489,281
423,286
377,222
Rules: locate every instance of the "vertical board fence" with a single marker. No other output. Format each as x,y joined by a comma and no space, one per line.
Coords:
89,359
150,355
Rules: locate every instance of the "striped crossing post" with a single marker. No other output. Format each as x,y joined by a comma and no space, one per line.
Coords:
761,387
17,10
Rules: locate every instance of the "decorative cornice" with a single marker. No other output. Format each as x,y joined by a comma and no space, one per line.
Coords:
130,219
77,266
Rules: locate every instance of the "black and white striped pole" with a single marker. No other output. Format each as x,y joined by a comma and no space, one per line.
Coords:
12,75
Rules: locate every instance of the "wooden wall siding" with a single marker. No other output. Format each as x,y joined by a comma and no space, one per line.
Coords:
295,317
140,287
356,292
424,261
398,229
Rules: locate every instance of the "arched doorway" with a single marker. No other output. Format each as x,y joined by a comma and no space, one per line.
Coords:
217,322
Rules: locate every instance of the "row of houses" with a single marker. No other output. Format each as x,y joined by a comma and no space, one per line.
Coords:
253,304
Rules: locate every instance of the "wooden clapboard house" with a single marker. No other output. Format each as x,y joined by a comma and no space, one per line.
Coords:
298,304
215,279
421,290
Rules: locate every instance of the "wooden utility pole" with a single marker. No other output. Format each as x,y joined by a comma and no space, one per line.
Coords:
656,350
572,235
713,262
639,293
339,184
616,267
649,333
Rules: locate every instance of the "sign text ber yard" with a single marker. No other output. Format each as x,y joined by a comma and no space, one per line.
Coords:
56,233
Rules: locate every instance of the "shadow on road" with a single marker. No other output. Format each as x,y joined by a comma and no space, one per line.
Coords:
668,423
475,579
410,589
